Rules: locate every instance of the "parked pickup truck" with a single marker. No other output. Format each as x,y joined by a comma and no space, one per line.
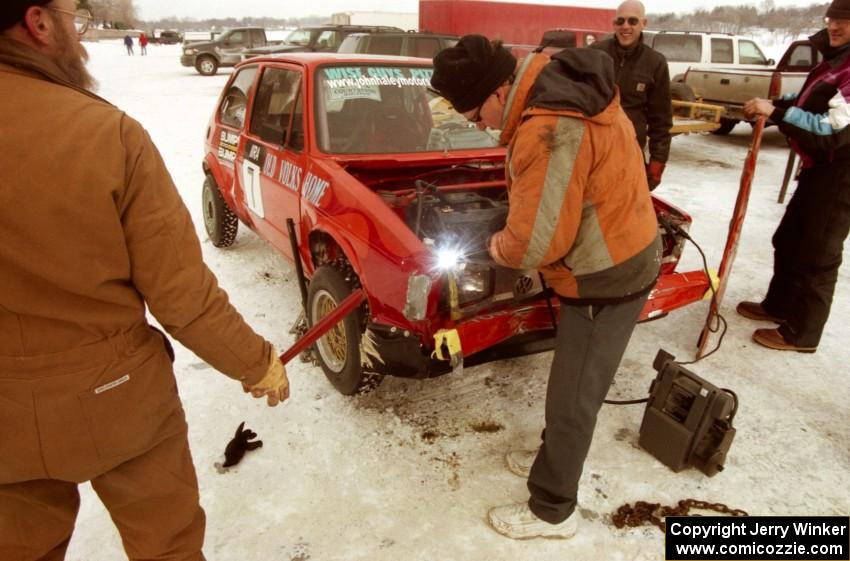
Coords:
684,49
225,50
732,87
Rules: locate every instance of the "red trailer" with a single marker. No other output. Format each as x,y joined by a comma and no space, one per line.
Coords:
512,22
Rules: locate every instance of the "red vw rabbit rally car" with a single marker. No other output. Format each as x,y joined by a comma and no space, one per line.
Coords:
391,191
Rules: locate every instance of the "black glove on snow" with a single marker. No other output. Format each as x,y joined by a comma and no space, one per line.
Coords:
240,444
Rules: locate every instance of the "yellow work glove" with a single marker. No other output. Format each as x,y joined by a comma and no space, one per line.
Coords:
274,385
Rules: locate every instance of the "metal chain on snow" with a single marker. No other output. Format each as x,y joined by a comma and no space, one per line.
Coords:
642,512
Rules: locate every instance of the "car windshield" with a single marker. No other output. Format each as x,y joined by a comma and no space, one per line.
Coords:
388,109
299,37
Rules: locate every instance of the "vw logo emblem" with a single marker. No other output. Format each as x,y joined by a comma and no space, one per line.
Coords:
523,285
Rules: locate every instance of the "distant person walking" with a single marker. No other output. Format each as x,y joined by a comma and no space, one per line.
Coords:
143,43
809,241
128,42
644,82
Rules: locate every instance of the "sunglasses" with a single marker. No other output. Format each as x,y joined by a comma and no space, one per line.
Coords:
621,20
81,18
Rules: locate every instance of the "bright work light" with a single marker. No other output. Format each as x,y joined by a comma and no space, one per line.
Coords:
448,258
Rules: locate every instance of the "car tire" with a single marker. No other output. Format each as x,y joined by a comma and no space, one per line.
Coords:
206,65
220,222
681,92
338,351
726,126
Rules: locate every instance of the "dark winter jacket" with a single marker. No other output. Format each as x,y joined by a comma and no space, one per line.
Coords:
816,120
644,81
579,206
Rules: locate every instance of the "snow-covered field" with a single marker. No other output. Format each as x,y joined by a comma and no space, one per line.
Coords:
408,472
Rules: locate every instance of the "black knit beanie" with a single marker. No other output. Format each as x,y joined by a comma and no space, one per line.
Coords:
12,11
468,73
839,9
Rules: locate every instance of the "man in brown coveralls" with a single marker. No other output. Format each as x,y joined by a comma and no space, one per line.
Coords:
92,230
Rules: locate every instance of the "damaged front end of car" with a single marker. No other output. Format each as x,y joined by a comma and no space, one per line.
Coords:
465,309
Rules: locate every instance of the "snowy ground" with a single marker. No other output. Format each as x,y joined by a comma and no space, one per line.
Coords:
408,472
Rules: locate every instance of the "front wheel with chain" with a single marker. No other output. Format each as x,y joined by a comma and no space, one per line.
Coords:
338,350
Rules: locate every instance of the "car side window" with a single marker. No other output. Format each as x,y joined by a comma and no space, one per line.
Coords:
749,53
274,104
423,47
802,58
328,40
296,135
721,51
381,45
679,47
257,38
231,112
236,38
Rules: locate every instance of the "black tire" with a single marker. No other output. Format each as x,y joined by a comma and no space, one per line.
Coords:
220,222
726,126
206,65
338,350
681,92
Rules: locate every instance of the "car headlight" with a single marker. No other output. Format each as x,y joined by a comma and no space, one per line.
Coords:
473,281
190,52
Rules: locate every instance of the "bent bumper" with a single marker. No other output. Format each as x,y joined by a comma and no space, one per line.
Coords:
509,332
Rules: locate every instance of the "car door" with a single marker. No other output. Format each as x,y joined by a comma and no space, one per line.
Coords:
273,157
258,39
230,49
227,138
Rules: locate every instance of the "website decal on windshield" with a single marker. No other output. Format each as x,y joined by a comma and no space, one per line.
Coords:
369,77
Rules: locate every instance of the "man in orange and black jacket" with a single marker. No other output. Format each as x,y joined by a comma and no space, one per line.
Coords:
581,213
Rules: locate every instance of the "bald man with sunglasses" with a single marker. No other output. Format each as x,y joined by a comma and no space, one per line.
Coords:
644,81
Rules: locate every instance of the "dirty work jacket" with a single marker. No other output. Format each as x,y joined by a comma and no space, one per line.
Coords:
644,81
579,206
816,120
92,230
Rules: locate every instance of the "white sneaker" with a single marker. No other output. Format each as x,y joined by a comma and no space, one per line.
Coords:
519,462
518,522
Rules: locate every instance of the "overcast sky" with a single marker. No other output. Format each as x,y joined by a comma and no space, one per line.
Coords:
201,9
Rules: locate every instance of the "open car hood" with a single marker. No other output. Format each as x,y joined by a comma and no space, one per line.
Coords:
490,156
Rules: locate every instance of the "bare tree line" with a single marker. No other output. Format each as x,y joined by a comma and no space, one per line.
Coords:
788,23
111,13
189,24
122,14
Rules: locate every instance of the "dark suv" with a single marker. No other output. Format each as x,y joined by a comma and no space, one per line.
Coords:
319,38
410,43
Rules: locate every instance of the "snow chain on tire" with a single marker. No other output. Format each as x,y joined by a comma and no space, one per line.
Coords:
370,380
